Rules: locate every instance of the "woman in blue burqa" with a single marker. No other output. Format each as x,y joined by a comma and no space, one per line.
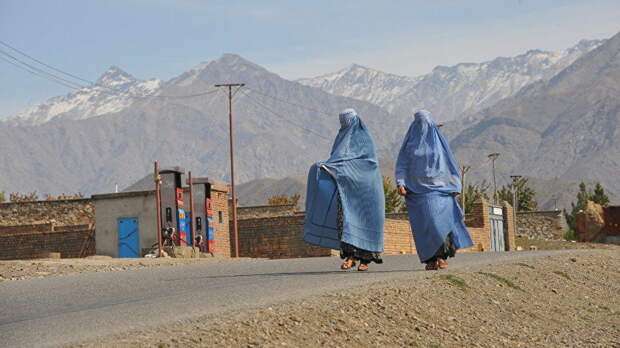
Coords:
345,205
428,177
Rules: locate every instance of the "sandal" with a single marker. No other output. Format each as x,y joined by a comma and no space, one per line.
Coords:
348,263
362,267
442,264
432,266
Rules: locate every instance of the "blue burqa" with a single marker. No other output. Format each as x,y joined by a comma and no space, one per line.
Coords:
427,169
352,175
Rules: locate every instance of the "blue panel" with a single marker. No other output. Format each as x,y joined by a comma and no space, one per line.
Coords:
128,238
211,233
190,233
182,221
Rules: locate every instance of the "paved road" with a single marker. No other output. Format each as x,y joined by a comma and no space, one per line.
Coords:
69,309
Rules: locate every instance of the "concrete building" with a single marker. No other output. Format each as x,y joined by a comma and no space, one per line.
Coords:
115,211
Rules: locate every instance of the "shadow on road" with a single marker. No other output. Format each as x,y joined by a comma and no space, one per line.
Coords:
280,274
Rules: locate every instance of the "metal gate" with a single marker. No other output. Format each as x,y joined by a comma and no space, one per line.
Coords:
496,219
128,238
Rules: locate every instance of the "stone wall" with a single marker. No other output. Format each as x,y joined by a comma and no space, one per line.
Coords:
62,212
34,241
540,224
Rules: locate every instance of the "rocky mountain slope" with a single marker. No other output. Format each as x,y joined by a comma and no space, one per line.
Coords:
450,91
274,137
114,91
567,127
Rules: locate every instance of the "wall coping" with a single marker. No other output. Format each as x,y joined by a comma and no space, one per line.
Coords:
555,212
78,200
122,195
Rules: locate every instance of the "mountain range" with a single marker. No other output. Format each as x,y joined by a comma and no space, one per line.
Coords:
552,116
450,91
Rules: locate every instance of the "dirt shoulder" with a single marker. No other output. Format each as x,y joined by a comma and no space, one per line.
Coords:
567,300
39,268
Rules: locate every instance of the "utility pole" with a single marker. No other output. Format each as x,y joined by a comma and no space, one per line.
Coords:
464,170
192,219
232,163
493,157
157,180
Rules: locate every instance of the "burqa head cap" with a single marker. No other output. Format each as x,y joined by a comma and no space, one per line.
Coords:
346,116
422,115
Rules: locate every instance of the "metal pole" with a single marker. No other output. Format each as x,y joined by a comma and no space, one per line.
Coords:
493,157
232,165
515,199
157,180
191,208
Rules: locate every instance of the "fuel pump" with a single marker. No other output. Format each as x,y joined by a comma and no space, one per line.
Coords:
174,225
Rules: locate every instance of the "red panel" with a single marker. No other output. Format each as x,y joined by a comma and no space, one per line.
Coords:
211,246
209,207
180,197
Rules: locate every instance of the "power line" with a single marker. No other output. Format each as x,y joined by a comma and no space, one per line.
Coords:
33,72
288,102
67,83
44,64
73,84
256,102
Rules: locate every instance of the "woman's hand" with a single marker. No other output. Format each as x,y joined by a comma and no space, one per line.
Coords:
402,190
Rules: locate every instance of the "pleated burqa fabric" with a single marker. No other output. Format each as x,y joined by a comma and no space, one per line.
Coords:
352,175
426,167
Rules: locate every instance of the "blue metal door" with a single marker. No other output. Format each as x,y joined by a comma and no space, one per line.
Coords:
128,238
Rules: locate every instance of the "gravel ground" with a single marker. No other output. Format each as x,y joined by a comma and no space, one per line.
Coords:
39,268
542,244
556,301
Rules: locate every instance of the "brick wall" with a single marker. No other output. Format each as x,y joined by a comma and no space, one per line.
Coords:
510,229
612,220
540,224
478,226
261,211
219,197
276,238
62,212
34,241
282,237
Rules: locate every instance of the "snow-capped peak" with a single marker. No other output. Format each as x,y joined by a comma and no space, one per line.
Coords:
114,91
450,90
115,77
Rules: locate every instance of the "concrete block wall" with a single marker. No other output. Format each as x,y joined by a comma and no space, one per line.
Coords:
35,241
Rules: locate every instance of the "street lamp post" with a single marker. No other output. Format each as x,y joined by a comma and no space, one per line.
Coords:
493,157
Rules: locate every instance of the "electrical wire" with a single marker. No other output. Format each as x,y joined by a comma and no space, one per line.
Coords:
67,83
288,102
6,54
44,64
256,102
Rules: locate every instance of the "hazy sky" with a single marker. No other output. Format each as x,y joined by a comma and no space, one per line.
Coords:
156,38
